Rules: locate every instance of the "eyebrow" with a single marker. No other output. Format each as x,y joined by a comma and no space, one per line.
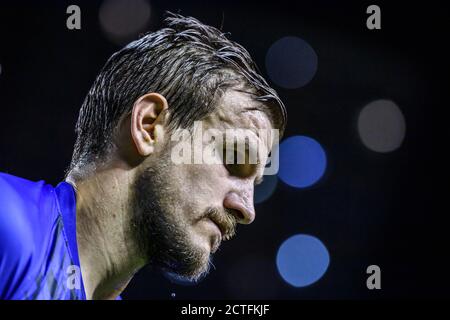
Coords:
250,109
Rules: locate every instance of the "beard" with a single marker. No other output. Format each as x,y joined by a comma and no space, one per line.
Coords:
161,236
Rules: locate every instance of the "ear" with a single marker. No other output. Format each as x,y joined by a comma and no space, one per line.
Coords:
149,122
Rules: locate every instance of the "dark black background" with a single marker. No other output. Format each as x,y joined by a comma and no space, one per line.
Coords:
369,208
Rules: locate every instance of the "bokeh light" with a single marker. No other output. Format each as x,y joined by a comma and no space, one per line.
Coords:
265,190
302,161
381,126
302,260
291,62
123,20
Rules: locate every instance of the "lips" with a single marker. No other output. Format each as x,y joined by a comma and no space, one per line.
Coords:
220,226
227,228
223,219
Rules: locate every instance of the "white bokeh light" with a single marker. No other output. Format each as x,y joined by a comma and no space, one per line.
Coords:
381,126
123,20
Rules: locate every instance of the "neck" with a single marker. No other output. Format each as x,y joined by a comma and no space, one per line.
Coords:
108,256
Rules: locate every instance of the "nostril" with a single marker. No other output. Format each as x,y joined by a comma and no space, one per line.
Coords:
243,213
237,214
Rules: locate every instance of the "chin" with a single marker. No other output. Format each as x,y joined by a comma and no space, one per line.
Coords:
203,262
195,266
194,275
207,237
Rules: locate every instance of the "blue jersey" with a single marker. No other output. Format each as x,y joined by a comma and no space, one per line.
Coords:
38,247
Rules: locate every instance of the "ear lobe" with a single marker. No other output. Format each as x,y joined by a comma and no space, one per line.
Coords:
148,118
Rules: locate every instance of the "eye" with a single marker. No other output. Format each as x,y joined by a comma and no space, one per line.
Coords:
258,180
239,165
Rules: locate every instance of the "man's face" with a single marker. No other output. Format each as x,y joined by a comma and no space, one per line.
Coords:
182,212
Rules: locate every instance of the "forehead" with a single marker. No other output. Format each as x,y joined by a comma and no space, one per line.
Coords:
238,109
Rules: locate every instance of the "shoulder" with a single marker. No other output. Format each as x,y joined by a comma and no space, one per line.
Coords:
24,221
16,206
21,205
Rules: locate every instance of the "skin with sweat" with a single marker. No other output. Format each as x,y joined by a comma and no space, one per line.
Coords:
138,207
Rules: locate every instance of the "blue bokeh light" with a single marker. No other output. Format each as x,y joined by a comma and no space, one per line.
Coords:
291,62
302,161
302,260
265,190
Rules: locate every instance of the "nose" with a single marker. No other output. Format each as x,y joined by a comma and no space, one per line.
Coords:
242,206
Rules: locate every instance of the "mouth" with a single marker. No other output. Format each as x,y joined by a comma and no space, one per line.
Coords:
223,223
218,235
218,227
224,232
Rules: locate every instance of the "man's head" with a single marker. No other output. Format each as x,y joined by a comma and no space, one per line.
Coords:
164,81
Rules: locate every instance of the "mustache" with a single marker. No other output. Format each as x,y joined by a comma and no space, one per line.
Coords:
225,219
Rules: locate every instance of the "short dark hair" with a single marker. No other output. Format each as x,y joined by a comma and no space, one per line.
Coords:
187,62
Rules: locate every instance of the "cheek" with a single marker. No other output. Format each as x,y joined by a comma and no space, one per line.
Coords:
195,188
208,183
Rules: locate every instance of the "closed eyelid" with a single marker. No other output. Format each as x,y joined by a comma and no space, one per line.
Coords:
258,180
